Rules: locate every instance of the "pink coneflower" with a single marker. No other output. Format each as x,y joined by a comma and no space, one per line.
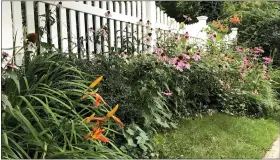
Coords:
267,60
175,60
187,65
213,36
255,91
108,14
5,54
11,65
166,58
186,35
179,65
259,50
239,49
166,92
158,51
196,56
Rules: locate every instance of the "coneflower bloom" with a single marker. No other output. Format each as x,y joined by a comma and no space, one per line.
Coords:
166,92
267,60
255,91
32,37
239,49
196,56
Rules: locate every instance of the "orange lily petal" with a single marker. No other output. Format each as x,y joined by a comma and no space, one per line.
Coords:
113,111
98,100
103,139
118,120
96,103
103,119
90,118
94,83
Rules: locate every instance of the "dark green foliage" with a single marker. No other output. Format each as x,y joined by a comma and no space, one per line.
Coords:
176,9
45,118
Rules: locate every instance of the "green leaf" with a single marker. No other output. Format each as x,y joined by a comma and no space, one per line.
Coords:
13,75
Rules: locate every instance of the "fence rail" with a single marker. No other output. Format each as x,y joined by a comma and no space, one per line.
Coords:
73,26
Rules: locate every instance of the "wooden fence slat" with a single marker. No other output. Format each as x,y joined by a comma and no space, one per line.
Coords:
7,33
139,16
63,30
73,30
104,22
90,25
112,28
128,5
54,33
118,26
42,21
18,30
29,8
97,26
82,34
158,15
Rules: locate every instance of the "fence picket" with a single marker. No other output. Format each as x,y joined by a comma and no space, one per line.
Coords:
97,27
118,26
17,30
73,31
104,22
139,17
7,43
42,21
29,8
90,39
54,33
112,28
82,33
63,30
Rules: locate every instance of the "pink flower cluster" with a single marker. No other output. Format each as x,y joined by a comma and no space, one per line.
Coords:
246,64
181,62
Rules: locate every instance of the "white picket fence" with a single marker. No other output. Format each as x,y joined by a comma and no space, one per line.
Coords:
130,15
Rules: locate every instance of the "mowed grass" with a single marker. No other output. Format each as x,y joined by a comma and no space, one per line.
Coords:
218,136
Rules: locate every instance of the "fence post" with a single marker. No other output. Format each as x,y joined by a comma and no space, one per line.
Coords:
233,35
202,24
151,16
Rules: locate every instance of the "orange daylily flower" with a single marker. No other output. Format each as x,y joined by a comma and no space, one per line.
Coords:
94,83
219,25
98,100
118,120
235,19
88,93
92,118
98,135
113,111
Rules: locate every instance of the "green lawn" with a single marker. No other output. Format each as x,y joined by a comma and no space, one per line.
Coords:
218,136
